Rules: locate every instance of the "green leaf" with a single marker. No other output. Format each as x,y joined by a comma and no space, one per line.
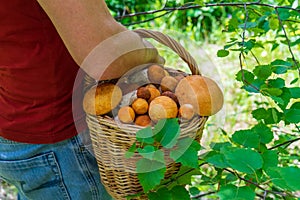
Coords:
245,76
292,115
278,100
249,44
270,159
263,71
295,105
294,81
199,2
285,97
295,92
230,178
150,173
151,153
145,135
130,152
274,46
294,43
271,91
243,160
194,191
259,113
275,116
162,193
280,66
265,133
186,152
179,193
283,14
266,26
276,83
216,159
269,116
222,53
166,131
233,24
254,86
286,178
145,165
184,175
274,23
218,146
229,44
231,192
246,138
248,25
188,158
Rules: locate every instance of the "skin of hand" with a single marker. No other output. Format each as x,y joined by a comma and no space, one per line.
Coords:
85,25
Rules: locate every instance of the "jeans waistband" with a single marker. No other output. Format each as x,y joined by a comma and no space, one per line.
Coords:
6,141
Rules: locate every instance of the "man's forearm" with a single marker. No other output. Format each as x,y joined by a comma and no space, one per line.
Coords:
81,24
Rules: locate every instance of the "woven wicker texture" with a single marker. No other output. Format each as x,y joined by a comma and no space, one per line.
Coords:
111,140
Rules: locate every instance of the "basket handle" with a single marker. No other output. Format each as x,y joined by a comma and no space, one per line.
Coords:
172,44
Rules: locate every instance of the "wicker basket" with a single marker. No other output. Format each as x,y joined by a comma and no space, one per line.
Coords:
111,140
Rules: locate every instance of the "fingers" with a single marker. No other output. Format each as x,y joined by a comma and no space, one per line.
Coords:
126,49
158,59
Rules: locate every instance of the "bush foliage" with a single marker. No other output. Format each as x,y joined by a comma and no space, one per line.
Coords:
261,161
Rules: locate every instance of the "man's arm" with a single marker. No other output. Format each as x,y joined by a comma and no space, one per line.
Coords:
84,25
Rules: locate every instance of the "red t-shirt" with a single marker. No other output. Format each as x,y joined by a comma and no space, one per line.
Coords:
37,75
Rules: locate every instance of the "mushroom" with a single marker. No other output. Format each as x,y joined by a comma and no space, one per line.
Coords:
101,99
143,120
162,107
140,106
126,114
202,93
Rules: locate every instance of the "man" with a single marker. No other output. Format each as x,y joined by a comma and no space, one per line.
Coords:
42,45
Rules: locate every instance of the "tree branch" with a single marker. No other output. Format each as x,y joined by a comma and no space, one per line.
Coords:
188,6
288,40
298,128
168,10
256,59
147,20
170,180
241,55
202,195
289,142
256,184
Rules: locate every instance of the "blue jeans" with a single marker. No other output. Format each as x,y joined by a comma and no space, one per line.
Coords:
60,171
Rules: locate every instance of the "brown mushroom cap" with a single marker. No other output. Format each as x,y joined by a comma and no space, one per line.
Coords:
156,73
202,93
143,120
140,106
162,107
126,114
101,99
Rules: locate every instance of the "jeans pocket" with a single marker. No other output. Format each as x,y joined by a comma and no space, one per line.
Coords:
37,178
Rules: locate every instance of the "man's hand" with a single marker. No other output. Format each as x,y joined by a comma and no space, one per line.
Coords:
118,54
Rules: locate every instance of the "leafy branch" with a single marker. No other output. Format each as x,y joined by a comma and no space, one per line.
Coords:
241,54
253,159
265,191
157,148
189,6
287,39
